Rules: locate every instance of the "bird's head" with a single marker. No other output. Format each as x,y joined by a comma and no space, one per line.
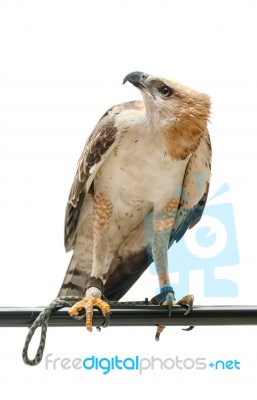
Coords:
170,103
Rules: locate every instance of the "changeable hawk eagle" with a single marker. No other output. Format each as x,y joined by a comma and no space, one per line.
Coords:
136,191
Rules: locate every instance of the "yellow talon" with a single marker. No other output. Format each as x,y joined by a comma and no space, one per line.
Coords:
159,330
88,304
187,302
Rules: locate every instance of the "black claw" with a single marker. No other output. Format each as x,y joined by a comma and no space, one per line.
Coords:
188,329
78,317
107,320
157,336
189,308
170,310
170,301
98,328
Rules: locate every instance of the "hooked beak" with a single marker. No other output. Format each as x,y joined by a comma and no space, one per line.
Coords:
137,79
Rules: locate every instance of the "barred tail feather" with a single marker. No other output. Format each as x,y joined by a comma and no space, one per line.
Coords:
76,279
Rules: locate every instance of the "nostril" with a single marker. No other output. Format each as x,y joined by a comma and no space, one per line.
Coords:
144,76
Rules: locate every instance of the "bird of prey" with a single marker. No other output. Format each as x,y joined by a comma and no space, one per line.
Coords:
135,192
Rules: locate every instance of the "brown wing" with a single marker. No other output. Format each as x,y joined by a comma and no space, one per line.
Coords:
98,146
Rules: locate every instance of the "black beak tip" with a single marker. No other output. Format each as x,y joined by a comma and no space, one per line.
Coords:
135,77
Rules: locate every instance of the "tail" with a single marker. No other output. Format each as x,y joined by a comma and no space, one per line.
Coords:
76,279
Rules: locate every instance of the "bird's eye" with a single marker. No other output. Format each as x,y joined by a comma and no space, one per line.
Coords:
166,91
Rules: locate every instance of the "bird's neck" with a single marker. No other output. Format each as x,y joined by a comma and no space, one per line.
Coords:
183,137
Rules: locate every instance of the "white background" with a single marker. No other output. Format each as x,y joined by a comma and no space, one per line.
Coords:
61,66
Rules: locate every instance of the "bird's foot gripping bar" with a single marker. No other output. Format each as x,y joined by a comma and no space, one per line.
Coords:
136,313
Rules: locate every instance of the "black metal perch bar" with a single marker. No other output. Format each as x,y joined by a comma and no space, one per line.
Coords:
125,314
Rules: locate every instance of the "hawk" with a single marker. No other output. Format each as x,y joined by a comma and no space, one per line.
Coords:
136,191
